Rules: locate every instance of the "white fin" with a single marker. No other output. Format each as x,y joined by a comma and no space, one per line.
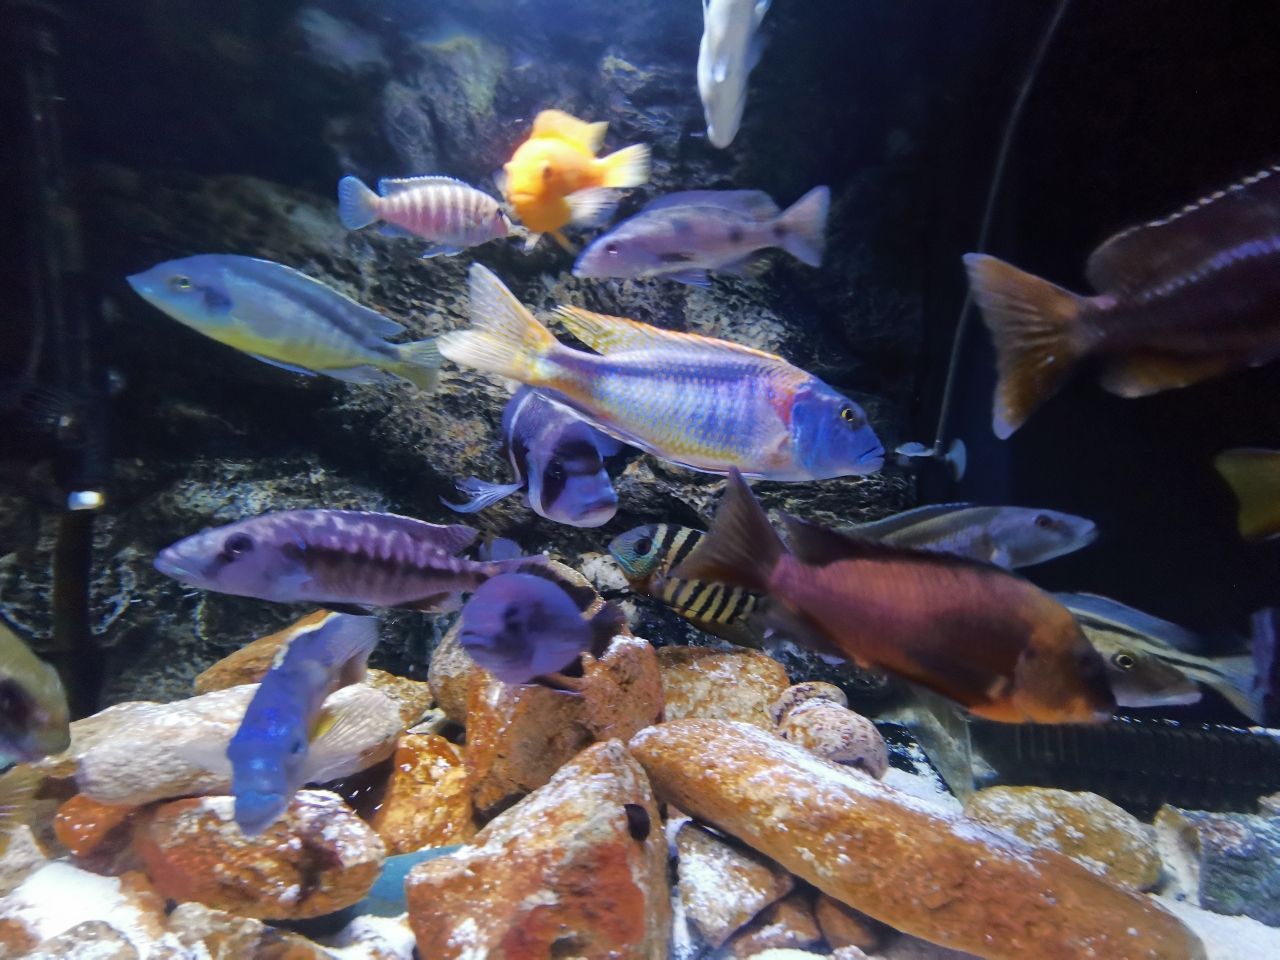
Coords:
531,240
720,69
441,250
284,366
606,334
419,363
762,7
591,208
483,494
362,374
389,186
357,204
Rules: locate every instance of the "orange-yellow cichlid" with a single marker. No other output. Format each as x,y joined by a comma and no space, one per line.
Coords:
987,639
1254,477
555,178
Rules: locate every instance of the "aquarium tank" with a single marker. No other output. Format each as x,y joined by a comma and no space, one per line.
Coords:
690,479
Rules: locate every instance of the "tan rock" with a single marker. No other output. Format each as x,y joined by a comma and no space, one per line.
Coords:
941,877
426,801
91,940
22,856
576,869
809,690
723,885
517,737
373,938
787,924
413,696
451,674
225,936
317,858
837,734
848,953
1086,827
721,684
17,939
843,926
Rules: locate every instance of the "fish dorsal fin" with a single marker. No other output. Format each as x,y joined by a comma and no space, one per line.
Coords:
1093,609
607,335
886,526
316,295
388,186
559,125
451,538
818,546
1162,250
752,203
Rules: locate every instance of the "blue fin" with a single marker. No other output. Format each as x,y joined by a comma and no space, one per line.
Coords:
357,204
440,250
391,230
284,366
483,494
694,278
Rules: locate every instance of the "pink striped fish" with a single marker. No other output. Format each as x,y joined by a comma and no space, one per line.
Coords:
447,212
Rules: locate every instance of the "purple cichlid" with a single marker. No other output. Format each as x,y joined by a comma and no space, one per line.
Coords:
336,558
452,215
558,460
696,401
683,235
525,628
268,753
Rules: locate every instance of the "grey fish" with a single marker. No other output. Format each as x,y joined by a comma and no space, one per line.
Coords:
34,721
683,235
1124,628
346,560
1009,537
558,460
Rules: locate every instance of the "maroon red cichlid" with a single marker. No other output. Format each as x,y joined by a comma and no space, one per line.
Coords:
977,634
1179,300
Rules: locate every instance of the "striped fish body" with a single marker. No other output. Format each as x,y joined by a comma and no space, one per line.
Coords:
646,556
443,210
335,558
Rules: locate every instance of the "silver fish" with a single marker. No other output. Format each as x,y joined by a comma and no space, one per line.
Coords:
1131,631
1009,537
683,235
729,51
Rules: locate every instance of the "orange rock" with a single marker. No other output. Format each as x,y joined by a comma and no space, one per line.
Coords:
426,801
935,875
517,737
83,825
721,684
250,662
91,940
317,858
787,924
451,674
722,885
224,936
414,696
576,869
16,938
843,926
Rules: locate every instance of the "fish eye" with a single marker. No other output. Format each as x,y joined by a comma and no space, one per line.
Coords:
1044,521
1124,661
237,544
15,706
850,416
643,546
555,470
180,283
611,248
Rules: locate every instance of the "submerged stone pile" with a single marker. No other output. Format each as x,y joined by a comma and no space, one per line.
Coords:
684,803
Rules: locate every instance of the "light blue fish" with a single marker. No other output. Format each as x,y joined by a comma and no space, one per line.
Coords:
268,753
285,318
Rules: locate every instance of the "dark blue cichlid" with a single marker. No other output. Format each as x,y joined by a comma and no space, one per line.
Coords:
558,460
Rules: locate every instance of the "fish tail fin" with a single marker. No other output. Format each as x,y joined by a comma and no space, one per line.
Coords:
1266,667
805,226
419,363
357,204
740,549
505,338
628,167
482,492
1235,676
1037,334
1254,478
17,788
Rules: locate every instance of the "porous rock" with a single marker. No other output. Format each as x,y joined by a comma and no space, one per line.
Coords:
317,858
1225,862
580,865
941,877
798,693
842,926
1086,827
426,801
720,684
785,924
722,884
91,940
373,938
837,734
517,737
224,936
22,856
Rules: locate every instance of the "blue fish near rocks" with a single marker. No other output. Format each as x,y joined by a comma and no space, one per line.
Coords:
558,460
682,236
268,753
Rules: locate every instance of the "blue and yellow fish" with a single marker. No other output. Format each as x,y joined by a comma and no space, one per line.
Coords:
696,401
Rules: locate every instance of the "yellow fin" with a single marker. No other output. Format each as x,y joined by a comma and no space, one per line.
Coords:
559,125
606,334
628,167
1142,374
1254,477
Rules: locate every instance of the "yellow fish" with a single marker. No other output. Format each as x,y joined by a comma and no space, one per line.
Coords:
555,178
1254,477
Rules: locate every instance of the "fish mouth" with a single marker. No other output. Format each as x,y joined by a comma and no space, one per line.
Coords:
872,456
140,286
173,564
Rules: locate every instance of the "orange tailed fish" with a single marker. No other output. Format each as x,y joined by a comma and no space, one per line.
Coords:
555,178
1254,477
1179,300
696,401
985,638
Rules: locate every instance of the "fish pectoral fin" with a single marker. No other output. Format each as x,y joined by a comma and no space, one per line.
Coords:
1142,374
591,208
1000,557
209,755
391,230
693,278
361,374
441,250
752,265
354,609
483,494
292,368
531,240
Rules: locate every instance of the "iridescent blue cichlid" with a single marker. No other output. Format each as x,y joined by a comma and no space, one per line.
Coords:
285,318
268,753
696,401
